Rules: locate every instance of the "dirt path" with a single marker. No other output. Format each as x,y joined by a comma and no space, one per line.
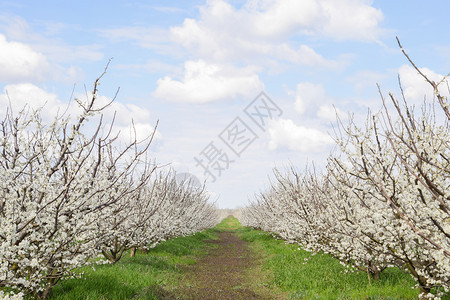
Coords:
230,271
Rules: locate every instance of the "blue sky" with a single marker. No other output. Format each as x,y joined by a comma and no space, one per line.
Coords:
196,65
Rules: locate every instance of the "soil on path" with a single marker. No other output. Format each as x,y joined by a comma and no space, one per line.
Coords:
229,271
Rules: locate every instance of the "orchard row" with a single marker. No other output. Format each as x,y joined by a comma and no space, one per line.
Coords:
383,200
70,193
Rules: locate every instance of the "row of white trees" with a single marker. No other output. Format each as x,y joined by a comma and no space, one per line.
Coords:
70,193
384,199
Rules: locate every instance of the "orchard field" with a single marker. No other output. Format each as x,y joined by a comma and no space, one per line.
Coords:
84,215
73,196
382,200
230,261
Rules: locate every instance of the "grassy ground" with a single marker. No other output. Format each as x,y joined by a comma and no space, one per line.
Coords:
280,267
322,277
142,277
229,224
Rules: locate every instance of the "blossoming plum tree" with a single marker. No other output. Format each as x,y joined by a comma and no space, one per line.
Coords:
69,192
384,197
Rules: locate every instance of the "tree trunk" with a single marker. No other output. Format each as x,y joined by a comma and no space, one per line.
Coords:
424,290
46,292
375,275
374,271
110,256
133,252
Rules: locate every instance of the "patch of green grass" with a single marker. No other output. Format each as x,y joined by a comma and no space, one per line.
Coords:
141,277
322,276
230,223
159,271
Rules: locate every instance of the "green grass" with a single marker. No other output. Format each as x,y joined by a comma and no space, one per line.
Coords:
141,277
147,275
230,223
322,277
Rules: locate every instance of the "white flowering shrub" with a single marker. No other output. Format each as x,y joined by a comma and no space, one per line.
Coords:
383,200
123,223
55,183
69,193
160,210
388,194
11,296
185,210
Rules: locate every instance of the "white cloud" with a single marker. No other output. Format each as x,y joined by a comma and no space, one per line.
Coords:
140,131
223,33
18,62
328,113
24,94
124,112
344,19
309,95
351,20
285,134
27,94
16,28
311,98
124,115
205,82
273,19
26,56
415,88
263,28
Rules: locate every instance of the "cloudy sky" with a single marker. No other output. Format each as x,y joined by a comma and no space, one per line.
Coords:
199,67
